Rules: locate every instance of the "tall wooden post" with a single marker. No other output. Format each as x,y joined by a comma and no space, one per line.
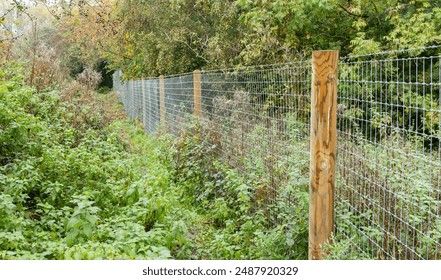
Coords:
197,92
323,149
161,101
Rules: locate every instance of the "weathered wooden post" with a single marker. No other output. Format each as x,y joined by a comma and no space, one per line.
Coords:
323,149
161,101
197,92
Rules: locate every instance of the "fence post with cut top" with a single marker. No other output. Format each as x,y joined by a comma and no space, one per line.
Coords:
323,150
197,92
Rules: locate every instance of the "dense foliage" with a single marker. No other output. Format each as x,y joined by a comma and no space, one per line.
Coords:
146,37
75,185
67,187
149,37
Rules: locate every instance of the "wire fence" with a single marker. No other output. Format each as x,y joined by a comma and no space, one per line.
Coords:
389,156
388,187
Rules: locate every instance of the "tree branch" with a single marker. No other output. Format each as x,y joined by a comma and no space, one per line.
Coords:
350,13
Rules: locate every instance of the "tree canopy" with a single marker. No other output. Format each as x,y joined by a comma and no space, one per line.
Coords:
153,37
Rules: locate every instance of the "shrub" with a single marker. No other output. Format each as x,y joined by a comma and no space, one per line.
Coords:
89,78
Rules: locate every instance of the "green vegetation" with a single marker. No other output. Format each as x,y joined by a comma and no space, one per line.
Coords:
92,189
66,186
168,37
149,37
79,181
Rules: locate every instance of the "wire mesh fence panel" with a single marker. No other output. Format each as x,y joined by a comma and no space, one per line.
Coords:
127,92
388,195
145,104
258,118
149,124
132,99
178,101
152,90
137,102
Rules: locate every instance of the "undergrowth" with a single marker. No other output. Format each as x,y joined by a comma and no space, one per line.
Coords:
77,182
73,190
231,222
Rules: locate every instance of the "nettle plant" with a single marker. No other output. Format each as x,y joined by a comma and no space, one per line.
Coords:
82,224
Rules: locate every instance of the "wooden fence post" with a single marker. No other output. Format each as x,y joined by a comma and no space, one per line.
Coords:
323,144
197,92
161,101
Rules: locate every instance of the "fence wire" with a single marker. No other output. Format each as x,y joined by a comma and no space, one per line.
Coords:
179,102
389,165
259,120
388,193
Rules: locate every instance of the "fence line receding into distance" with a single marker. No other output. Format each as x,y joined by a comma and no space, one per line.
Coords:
388,170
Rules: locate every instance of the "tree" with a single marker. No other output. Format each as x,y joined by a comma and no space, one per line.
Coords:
11,25
175,36
153,37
